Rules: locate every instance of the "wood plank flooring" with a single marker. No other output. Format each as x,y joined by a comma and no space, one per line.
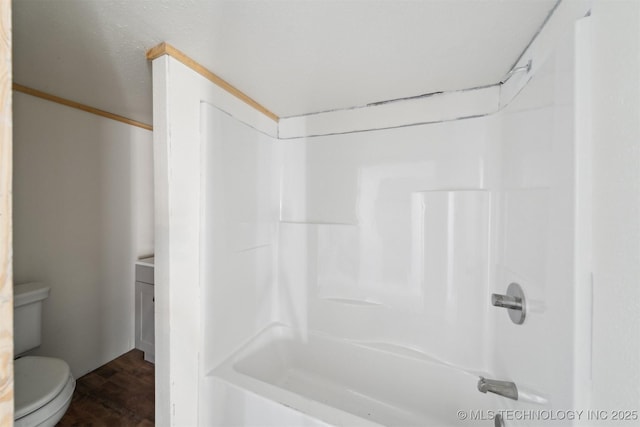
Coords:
120,393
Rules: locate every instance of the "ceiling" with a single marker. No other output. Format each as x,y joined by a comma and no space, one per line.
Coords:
292,56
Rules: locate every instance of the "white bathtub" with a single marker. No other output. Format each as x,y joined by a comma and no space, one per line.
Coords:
347,384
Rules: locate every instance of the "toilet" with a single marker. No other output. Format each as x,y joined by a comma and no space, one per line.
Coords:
43,386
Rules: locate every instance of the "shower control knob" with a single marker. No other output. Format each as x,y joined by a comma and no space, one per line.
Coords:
513,301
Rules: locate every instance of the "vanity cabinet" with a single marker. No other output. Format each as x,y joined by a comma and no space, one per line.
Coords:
145,310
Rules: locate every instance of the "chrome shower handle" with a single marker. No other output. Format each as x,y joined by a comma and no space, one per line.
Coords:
513,301
506,301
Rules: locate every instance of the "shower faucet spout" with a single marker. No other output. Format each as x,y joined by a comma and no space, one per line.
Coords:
502,388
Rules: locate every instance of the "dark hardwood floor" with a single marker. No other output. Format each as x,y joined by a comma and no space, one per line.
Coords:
120,393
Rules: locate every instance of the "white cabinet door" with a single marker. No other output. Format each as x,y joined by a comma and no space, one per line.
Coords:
145,331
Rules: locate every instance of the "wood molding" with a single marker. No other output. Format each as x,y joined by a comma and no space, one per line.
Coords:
166,49
6,229
34,92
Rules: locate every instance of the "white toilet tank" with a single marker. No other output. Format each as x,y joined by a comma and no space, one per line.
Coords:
27,315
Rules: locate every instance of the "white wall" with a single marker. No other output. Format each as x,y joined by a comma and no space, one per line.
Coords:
83,214
616,205
384,237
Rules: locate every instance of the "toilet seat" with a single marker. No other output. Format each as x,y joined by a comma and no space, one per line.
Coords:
43,390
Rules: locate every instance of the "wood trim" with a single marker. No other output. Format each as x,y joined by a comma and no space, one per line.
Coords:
34,92
6,228
166,49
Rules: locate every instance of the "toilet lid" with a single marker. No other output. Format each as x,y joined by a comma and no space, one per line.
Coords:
37,380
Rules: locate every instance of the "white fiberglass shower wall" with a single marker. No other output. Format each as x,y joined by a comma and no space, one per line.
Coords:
395,239
363,260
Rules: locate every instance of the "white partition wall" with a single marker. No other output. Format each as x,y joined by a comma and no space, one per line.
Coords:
193,149
177,200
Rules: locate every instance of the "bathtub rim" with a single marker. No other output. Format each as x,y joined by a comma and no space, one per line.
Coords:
228,373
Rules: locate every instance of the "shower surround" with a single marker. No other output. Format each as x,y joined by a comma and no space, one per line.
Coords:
340,279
